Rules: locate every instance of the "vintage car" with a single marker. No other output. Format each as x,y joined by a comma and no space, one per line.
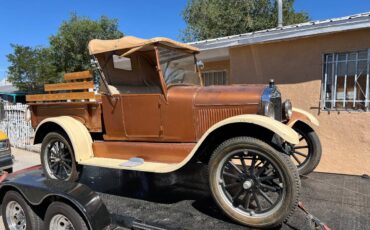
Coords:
143,107
6,158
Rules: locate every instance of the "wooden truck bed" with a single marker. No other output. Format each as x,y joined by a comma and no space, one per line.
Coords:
75,98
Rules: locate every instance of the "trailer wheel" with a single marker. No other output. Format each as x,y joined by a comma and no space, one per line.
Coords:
62,216
57,158
17,214
253,183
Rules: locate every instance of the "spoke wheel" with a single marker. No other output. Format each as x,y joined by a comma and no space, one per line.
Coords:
252,183
306,154
57,158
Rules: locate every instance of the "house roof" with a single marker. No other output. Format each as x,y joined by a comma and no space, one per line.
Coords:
313,28
9,89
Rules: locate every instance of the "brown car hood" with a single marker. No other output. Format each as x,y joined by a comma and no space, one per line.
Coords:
229,95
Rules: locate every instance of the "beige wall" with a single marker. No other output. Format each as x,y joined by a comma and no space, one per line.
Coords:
296,66
217,65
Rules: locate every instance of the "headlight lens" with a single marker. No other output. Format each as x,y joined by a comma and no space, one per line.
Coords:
287,109
4,145
268,110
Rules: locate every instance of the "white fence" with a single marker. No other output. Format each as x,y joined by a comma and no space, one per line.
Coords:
19,130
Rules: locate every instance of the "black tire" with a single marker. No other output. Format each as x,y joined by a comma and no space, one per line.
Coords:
59,213
14,201
250,182
307,154
57,158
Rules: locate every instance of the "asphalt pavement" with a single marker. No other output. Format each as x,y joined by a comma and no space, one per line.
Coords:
181,200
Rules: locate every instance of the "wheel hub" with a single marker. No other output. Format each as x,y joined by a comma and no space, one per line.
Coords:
248,184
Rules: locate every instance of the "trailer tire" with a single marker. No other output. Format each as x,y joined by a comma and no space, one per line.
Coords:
57,158
61,214
14,208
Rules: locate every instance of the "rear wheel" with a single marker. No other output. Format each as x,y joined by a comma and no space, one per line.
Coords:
17,214
57,158
252,183
60,216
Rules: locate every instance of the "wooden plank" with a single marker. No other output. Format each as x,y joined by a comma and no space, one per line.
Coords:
78,76
61,96
69,86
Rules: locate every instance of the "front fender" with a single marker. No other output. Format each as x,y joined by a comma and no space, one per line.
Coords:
78,135
301,115
284,131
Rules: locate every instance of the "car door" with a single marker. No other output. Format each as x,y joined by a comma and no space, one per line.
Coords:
142,115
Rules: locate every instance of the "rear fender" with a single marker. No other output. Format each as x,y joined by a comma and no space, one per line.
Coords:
77,133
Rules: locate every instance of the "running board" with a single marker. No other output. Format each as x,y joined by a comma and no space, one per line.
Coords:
147,166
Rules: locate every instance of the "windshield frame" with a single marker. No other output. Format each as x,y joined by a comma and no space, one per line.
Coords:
185,54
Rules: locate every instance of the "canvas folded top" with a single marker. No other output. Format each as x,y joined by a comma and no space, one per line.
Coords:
97,46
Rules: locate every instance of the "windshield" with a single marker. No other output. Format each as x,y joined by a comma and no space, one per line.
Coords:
178,67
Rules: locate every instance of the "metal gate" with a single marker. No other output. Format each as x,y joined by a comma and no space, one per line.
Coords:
19,131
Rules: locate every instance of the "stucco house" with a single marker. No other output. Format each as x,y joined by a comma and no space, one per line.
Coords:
322,66
10,93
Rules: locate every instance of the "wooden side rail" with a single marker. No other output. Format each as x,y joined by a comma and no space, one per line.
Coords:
62,97
78,87
78,76
69,86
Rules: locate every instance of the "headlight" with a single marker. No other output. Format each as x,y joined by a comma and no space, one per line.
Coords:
268,110
4,145
287,109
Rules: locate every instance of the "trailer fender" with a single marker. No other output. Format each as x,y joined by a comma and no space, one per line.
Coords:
77,133
40,193
303,116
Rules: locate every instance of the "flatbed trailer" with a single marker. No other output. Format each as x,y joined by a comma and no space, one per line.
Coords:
113,199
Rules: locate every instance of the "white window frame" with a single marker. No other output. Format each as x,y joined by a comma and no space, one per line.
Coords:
348,104
224,82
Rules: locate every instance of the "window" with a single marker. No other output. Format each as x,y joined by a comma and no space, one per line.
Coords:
346,81
214,78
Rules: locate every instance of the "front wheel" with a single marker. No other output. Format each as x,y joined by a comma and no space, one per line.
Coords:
252,183
57,158
307,154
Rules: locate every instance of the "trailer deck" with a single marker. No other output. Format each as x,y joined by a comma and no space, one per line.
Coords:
172,201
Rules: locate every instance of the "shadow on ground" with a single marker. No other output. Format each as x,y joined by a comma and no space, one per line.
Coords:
182,200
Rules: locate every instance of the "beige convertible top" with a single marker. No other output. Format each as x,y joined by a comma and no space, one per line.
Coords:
97,46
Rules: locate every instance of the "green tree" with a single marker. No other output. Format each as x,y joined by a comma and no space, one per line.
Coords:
30,68
69,45
208,19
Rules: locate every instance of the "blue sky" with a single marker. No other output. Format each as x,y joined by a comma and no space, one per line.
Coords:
32,22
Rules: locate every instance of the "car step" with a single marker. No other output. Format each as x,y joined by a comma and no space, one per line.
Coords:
146,166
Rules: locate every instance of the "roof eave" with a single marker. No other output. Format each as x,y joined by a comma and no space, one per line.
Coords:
286,33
